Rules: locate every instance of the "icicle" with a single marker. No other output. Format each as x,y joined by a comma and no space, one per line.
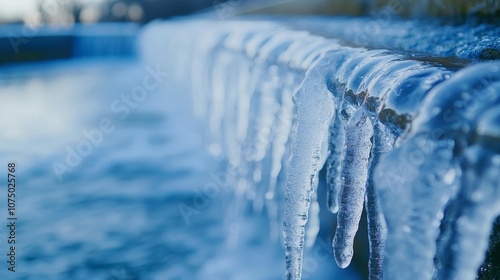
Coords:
478,208
261,106
283,125
334,164
313,222
262,133
415,182
230,144
312,227
219,90
200,75
355,69
383,141
359,131
312,125
470,216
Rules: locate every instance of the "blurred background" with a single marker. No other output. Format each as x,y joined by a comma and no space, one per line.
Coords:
115,180
89,11
142,11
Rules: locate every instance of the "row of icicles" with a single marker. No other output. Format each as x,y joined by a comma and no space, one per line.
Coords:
281,103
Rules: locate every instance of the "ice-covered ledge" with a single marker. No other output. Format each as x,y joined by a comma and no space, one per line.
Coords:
415,143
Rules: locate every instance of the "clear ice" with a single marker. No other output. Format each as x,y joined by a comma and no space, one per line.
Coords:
413,140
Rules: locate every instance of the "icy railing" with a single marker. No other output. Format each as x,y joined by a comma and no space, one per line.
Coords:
415,143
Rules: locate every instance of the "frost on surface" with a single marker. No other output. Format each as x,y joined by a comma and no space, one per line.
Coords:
412,142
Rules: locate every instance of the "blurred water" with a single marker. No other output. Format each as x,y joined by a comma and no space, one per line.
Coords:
116,214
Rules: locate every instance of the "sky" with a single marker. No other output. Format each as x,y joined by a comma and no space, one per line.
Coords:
16,9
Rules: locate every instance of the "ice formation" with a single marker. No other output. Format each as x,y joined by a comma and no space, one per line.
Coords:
413,142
